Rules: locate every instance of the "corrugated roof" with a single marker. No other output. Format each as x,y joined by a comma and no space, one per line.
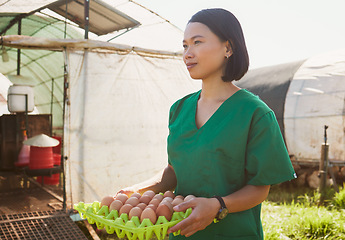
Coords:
103,18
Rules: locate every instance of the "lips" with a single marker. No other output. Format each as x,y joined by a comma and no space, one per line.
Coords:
190,65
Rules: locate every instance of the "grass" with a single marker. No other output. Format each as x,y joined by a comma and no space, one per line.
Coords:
339,198
291,213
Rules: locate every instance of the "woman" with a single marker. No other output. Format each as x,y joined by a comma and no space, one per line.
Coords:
224,144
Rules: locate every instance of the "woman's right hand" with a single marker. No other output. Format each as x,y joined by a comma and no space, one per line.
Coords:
163,181
128,191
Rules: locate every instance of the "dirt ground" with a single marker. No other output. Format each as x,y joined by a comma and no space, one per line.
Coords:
30,210
18,195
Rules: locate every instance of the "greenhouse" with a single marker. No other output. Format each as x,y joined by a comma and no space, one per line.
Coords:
103,86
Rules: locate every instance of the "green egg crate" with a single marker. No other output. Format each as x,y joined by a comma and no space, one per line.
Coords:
122,226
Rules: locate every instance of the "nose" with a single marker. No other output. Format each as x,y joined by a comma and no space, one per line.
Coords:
188,54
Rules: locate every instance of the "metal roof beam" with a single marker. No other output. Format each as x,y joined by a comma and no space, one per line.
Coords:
14,21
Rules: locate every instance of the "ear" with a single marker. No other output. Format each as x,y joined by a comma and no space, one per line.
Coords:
229,51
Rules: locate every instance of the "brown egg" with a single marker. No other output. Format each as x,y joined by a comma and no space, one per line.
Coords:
136,211
125,209
164,210
167,199
155,202
142,206
133,201
168,204
137,195
145,199
189,197
122,197
169,194
158,196
149,193
150,214
152,206
115,205
179,196
177,201
107,200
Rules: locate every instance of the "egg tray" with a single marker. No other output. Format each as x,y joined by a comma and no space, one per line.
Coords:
122,226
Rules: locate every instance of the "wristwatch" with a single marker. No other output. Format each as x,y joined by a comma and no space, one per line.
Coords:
223,211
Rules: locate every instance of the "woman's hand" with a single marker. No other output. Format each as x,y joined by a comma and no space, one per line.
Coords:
204,210
128,191
163,181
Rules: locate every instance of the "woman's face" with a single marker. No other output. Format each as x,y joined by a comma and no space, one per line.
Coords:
204,53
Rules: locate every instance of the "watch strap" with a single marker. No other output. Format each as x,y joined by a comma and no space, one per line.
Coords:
220,199
222,209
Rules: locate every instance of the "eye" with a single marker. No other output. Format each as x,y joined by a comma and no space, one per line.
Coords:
185,46
196,42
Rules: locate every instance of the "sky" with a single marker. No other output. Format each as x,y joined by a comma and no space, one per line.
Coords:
276,31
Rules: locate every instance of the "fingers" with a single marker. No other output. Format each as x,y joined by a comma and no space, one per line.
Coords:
184,206
198,220
128,191
176,227
187,223
121,191
190,234
188,226
181,225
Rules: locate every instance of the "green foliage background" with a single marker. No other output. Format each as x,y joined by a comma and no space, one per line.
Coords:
291,213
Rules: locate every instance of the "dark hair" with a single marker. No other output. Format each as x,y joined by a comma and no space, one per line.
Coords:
226,26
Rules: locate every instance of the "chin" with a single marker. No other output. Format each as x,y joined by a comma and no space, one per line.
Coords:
195,77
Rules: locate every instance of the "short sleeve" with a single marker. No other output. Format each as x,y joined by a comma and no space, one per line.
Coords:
171,113
267,159
172,116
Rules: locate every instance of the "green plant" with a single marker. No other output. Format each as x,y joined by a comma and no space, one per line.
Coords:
310,200
339,198
301,216
315,223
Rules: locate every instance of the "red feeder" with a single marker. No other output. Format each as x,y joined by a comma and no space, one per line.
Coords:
55,178
41,157
57,149
41,151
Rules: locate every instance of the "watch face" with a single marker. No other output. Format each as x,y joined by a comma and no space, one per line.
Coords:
223,213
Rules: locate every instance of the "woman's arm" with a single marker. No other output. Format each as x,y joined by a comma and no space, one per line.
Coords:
205,209
246,198
165,180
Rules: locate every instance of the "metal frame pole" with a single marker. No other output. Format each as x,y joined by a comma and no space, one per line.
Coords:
86,18
18,50
323,169
51,108
63,159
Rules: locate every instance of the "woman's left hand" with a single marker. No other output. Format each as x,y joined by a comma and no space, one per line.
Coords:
204,211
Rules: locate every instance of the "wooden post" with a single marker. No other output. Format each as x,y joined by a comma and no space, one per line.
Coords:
323,169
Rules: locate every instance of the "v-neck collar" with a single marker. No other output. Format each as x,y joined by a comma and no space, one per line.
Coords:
197,96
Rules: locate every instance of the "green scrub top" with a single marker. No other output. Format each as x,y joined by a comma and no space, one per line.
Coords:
241,144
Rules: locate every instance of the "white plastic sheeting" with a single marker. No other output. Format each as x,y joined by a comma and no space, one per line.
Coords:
316,97
117,119
153,33
4,85
21,6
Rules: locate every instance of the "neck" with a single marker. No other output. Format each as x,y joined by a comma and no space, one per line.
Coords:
217,90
